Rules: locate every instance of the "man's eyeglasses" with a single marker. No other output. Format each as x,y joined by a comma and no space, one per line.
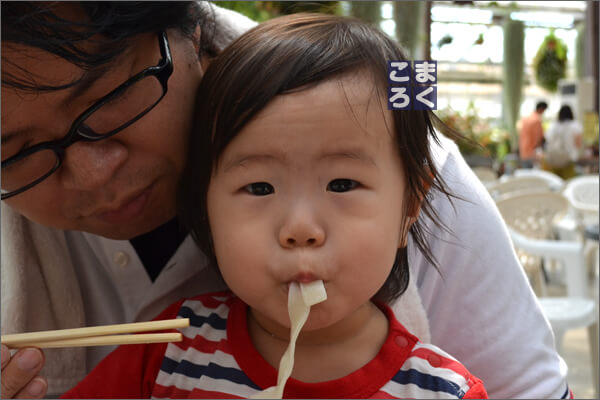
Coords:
114,112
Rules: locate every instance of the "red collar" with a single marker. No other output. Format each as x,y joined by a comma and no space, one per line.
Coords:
360,384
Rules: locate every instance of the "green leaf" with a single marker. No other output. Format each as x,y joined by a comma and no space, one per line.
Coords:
550,62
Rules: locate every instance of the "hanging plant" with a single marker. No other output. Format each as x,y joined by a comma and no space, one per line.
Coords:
447,39
550,62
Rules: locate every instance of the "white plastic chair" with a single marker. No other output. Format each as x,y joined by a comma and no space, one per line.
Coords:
512,184
529,218
583,195
532,213
486,175
556,182
575,310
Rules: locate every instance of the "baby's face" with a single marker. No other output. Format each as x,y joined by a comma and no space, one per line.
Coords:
310,189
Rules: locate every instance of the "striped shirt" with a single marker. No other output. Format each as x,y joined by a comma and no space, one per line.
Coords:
216,359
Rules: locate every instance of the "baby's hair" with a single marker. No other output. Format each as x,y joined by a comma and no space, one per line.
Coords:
292,53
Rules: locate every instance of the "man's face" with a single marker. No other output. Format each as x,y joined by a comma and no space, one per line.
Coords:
119,187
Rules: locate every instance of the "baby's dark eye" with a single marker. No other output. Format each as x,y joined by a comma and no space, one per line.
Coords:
342,185
259,188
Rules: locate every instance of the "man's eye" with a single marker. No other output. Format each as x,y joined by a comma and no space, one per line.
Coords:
342,185
259,188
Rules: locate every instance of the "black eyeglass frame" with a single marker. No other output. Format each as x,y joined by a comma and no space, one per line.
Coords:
162,71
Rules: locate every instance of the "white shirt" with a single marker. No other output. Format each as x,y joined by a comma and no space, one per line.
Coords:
116,288
569,129
480,306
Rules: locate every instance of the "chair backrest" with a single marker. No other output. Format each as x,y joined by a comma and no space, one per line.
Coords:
582,193
555,181
532,213
530,216
567,252
518,184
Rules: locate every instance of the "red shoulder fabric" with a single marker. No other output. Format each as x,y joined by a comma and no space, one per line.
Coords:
129,372
477,391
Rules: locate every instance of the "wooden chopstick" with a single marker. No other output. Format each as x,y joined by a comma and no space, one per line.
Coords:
104,340
26,339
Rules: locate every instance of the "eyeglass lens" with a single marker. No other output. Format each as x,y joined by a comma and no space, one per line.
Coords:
137,99
28,169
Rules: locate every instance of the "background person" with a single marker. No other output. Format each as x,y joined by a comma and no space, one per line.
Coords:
531,134
78,245
564,140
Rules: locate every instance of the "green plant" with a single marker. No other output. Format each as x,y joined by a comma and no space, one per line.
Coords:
446,39
491,141
479,39
550,62
257,11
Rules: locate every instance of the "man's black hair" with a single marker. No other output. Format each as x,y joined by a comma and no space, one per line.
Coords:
106,26
541,106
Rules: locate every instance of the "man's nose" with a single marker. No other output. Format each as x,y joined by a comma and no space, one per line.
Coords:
301,228
91,165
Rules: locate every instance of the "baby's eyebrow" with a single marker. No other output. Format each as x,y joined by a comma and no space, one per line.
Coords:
245,158
353,154
344,154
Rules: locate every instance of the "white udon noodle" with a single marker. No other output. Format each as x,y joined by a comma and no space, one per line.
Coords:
300,298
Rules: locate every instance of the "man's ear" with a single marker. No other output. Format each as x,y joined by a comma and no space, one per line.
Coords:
203,58
197,39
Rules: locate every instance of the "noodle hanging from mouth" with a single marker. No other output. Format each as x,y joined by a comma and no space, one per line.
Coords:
300,298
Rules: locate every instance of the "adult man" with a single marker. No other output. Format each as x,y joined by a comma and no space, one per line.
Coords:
531,133
91,239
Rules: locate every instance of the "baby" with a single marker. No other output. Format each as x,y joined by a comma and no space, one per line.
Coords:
298,172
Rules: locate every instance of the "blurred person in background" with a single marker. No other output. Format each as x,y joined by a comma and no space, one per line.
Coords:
564,140
531,134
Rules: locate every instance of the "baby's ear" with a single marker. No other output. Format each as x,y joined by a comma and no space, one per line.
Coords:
414,208
428,181
412,213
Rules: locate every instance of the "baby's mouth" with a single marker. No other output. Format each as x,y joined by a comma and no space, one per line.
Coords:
304,277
